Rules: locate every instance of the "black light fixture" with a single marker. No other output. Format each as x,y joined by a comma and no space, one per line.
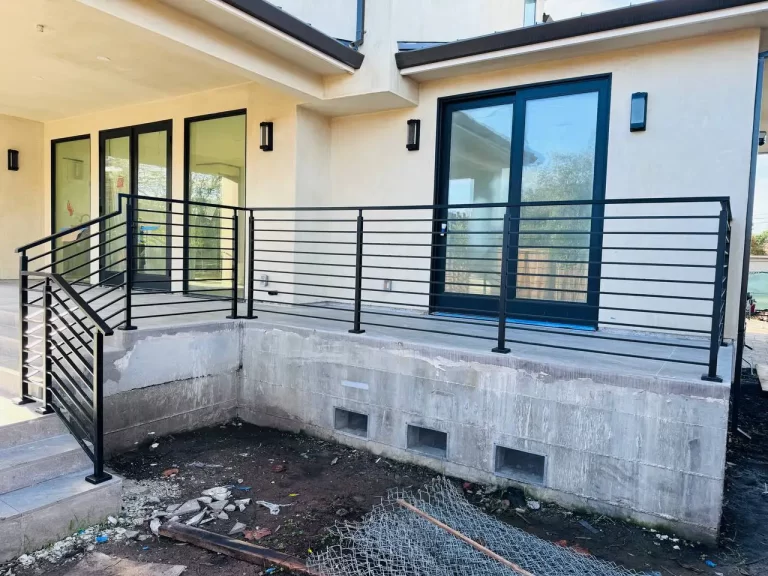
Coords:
638,112
13,160
414,134
267,134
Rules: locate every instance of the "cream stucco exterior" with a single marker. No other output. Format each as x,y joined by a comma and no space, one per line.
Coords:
21,192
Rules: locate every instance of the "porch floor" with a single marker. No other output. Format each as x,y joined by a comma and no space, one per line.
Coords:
637,353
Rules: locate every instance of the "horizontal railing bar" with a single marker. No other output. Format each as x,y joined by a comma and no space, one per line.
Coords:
450,232
201,290
83,404
56,262
140,271
114,314
178,201
110,303
69,311
65,232
346,320
191,301
76,370
68,403
77,334
605,201
97,259
183,313
100,270
116,287
511,325
320,296
519,218
75,242
78,433
102,283
217,238
187,224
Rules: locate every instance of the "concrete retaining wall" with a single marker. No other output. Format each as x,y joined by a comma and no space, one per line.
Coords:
642,447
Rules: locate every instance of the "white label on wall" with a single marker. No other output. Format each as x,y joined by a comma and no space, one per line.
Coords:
358,385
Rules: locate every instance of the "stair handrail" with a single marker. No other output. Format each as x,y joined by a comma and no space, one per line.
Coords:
87,224
62,283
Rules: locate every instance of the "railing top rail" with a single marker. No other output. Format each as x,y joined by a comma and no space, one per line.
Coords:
67,231
724,200
92,315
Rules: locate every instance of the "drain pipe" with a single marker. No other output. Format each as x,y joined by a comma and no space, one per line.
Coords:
736,385
360,29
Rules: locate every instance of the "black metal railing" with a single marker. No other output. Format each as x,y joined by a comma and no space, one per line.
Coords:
65,363
641,280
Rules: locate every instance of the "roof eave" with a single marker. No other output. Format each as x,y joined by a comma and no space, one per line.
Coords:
301,31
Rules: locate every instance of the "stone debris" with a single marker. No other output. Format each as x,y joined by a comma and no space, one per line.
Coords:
534,504
172,507
204,465
154,445
223,516
237,528
154,526
140,498
219,505
217,493
187,507
196,519
230,508
205,499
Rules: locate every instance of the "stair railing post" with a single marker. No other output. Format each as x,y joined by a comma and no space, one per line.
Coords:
501,343
717,300
24,397
358,275
249,254
99,475
129,262
235,258
47,347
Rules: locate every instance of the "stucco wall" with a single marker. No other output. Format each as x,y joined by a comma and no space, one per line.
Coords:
21,192
697,143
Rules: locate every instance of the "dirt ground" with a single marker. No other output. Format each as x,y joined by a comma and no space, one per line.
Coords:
327,483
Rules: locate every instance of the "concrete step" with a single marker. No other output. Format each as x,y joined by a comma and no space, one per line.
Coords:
10,384
21,424
34,462
9,316
33,517
10,342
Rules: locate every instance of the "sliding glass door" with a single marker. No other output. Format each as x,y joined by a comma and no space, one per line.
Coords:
136,160
215,161
540,144
71,204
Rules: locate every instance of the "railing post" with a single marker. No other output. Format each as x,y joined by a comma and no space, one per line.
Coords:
235,258
358,274
726,272
98,475
717,300
249,254
24,397
501,344
47,348
129,262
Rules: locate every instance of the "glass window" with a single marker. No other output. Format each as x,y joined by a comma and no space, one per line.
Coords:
71,202
529,18
216,176
481,139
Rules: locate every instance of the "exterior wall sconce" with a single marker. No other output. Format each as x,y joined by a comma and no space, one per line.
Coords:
414,134
13,160
267,135
638,112
761,138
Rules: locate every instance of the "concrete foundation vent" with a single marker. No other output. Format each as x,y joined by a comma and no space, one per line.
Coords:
519,465
351,422
427,441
